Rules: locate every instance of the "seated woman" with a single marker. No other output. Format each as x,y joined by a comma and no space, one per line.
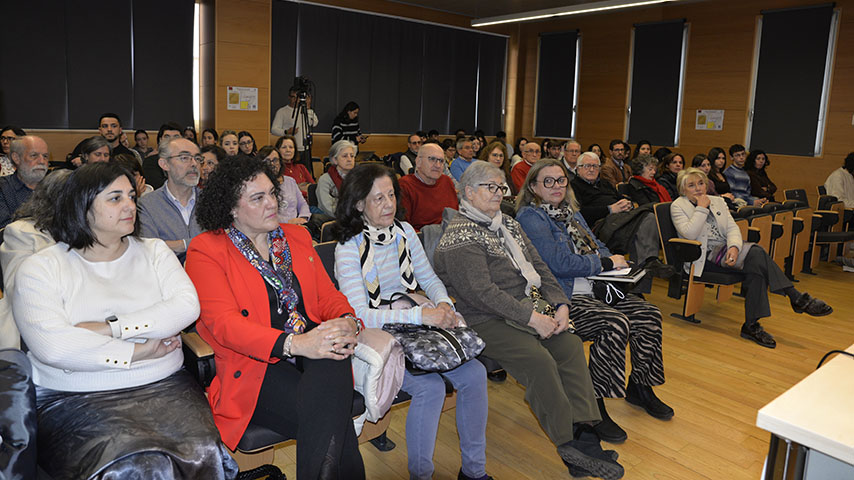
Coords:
209,137
229,142
668,168
548,213
281,333
760,185
26,235
213,155
286,146
342,156
698,216
717,159
292,206
246,143
643,147
643,188
369,265
496,275
101,312
517,152
496,154
702,162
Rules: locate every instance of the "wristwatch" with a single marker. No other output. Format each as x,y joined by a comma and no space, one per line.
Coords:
113,322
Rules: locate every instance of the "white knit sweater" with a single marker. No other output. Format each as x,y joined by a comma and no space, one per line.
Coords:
146,288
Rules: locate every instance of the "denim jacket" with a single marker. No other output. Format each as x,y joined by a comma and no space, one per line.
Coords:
556,248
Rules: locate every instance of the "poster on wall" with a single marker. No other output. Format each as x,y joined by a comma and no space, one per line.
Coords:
710,120
242,98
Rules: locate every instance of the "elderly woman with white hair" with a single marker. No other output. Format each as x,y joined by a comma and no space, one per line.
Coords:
342,155
699,216
509,296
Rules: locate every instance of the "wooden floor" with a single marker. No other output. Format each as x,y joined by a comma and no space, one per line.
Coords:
716,382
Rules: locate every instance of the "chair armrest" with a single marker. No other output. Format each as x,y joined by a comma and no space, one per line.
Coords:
198,358
753,234
199,347
776,230
686,250
826,217
797,225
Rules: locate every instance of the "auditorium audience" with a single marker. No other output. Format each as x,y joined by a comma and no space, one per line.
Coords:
30,156
230,142
209,137
698,216
270,312
378,256
840,182
616,169
407,160
26,235
190,134
642,187
286,145
449,147
101,312
346,125
668,168
552,148
292,205
496,154
643,147
570,157
595,148
213,155
738,179
425,193
717,156
342,157
246,143
169,213
151,170
96,149
140,137
548,213
465,157
756,167
530,155
622,229
495,292
7,135
517,152
701,161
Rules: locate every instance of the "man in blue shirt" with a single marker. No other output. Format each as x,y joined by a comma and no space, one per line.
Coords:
30,156
465,158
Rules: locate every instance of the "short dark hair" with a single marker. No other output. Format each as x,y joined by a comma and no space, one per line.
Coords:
16,130
128,161
223,189
167,126
217,150
661,153
448,143
613,143
109,115
356,187
70,223
433,132
501,134
735,148
849,162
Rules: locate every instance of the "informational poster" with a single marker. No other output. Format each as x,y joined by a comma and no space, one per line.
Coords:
710,120
243,98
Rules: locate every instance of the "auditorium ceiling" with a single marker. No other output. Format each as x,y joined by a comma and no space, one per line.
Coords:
491,8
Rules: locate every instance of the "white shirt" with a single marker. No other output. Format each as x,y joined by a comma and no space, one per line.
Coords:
284,120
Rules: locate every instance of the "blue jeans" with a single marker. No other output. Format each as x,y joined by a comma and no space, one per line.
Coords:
422,419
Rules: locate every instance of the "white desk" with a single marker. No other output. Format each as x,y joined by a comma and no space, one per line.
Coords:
818,412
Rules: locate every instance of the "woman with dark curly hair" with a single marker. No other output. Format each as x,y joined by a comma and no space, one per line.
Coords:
379,256
282,334
760,185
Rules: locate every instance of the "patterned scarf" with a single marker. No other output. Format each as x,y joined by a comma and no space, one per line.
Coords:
279,275
511,246
384,236
584,242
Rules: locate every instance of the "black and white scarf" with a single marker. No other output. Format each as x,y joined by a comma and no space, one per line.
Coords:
583,240
384,236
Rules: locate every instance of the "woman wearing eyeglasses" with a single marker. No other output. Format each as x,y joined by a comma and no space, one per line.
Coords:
548,212
509,296
246,143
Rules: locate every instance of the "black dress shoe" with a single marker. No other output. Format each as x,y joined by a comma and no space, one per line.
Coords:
585,455
758,334
463,476
811,306
607,429
658,269
643,396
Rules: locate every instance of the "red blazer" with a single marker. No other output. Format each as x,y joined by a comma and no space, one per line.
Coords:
235,318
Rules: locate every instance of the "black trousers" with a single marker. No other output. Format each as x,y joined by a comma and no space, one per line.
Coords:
313,398
760,274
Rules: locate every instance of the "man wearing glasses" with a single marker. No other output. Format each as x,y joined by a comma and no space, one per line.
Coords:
615,222
425,193
169,213
7,135
530,155
616,169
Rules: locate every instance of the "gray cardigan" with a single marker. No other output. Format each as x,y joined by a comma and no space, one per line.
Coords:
160,218
473,265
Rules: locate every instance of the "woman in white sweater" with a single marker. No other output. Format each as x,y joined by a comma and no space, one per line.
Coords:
698,216
101,312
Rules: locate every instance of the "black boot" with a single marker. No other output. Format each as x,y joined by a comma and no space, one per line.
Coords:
644,397
607,429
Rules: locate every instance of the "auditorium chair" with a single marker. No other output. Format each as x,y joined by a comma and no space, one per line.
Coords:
825,227
678,252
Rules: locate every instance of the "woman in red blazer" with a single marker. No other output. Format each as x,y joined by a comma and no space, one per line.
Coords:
281,334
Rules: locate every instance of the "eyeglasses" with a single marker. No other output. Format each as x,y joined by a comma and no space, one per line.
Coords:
244,143
589,166
618,149
435,159
7,138
494,188
187,157
550,182
535,152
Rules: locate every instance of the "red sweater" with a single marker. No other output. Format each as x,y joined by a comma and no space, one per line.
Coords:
519,173
424,203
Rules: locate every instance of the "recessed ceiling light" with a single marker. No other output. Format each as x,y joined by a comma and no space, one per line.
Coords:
563,11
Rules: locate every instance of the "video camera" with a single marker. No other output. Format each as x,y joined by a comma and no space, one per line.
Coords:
304,87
